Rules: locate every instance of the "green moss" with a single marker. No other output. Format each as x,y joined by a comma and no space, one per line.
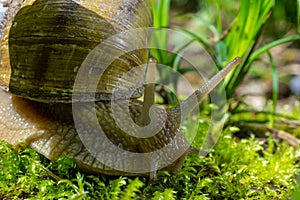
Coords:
235,169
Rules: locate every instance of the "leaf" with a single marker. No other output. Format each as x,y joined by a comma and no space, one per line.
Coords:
275,87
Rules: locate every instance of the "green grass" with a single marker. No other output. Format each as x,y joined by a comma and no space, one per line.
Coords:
242,36
298,14
236,169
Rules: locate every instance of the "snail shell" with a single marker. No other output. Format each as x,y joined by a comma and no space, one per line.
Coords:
45,43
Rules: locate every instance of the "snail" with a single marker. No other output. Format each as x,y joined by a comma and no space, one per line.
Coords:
43,45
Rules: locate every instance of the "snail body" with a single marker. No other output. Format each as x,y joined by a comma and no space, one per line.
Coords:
52,137
39,65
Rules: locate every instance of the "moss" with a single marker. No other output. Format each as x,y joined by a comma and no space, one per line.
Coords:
235,169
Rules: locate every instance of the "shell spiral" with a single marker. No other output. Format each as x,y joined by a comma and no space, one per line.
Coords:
45,43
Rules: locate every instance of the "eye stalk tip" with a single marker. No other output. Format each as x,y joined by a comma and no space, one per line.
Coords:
238,60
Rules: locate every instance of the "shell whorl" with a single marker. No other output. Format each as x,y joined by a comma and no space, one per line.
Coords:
46,42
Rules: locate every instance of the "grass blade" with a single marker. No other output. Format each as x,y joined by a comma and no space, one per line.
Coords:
275,87
298,5
161,11
269,46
